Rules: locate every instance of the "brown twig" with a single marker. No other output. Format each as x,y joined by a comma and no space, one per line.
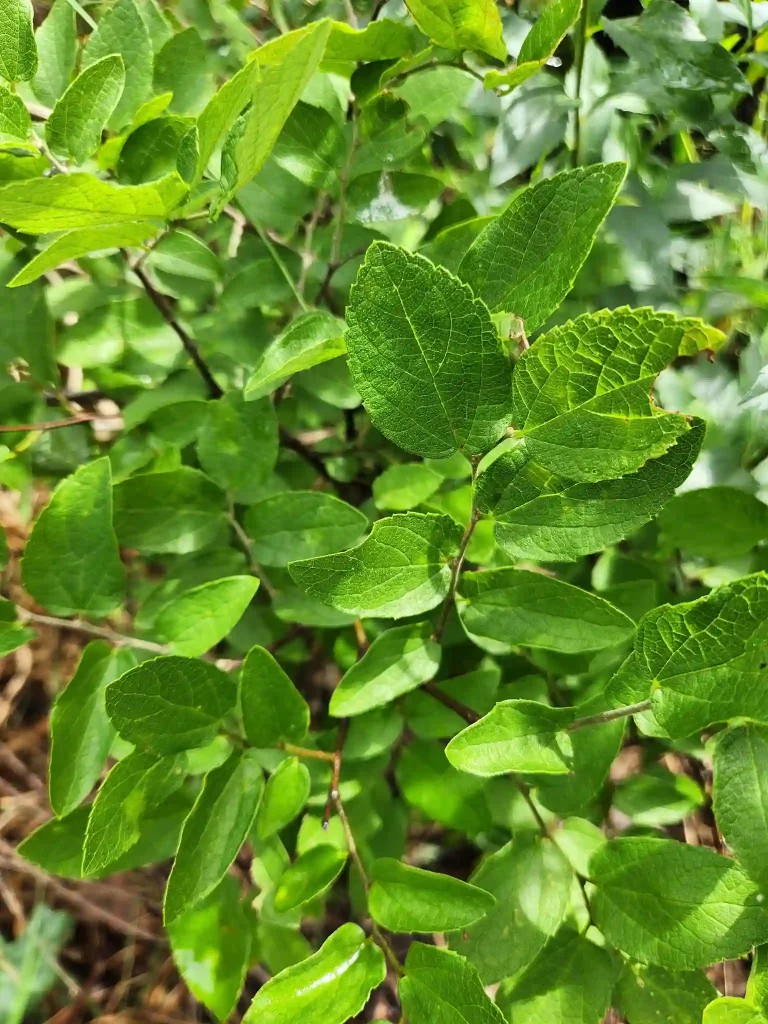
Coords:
102,632
433,689
71,421
338,757
610,716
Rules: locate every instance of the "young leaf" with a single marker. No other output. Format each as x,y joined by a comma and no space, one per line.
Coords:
238,444
302,524
531,881
18,52
312,339
412,321
170,703
646,994
542,516
581,393
408,899
519,607
211,947
57,47
398,661
197,620
402,568
757,983
15,122
71,563
461,25
214,832
81,734
731,1010
180,68
330,986
74,128
403,487
674,905
526,260
718,523
740,764
383,39
221,112
134,786
517,736
273,709
539,45
439,984
121,30
285,795
312,874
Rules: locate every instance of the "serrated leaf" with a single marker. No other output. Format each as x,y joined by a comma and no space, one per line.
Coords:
134,786
71,562
311,339
409,319
273,709
545,517
80,200
400,488
701,661
57,46
310,875
569,982
718,523
197,620
211,947
238,444
674,905
519,607
408,899
531,881
438,981
81,733
740,763
18,51
214,832
461,24
170,703
15,122
398,661
180,68
121,30
402,568
74,128
330,986
221,112
646,995
526,260
516,736
731,1010
285,795
177,511
301,524
581,393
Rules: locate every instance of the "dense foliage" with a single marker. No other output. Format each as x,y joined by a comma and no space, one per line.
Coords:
393,378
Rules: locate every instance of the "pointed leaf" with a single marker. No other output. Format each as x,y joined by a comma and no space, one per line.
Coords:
273,709
302,524
15,122
646,994
408,899
121,30
285,795
18,52
74,128
180,68
197,620
312,339
718,523
461,24
309,876
439,982
57,47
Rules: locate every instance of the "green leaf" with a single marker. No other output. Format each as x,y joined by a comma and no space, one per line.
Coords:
312,147
757,983
81,734
313,338
674,905
134,786
57,47
285,795
12,634
182,254
178,511
302,524
18,52
402,568
519,607
400,488
517,736
80,200
221,112
569,982
647,995
730,1010
434,787
581,392
701,661
740,764
398,661
121,30
180,68
170,703
71,562
30,966
410,320
312,874
15,122
439,984
531,881
461,24
80,242
429,719
383,39
74,128
211,946
197,620
238,444
331,986
526,260
273,709
718,523
214,832
539,45
545,517
408,899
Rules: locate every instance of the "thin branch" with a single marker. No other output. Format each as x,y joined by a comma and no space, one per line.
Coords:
272,250
433,689
581,49
338,756
458,562
314,755
316,462
525,791
13,428
102,632
610,716
247,545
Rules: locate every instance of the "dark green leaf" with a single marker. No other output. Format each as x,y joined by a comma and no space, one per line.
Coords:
273,709
408,899
302,524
